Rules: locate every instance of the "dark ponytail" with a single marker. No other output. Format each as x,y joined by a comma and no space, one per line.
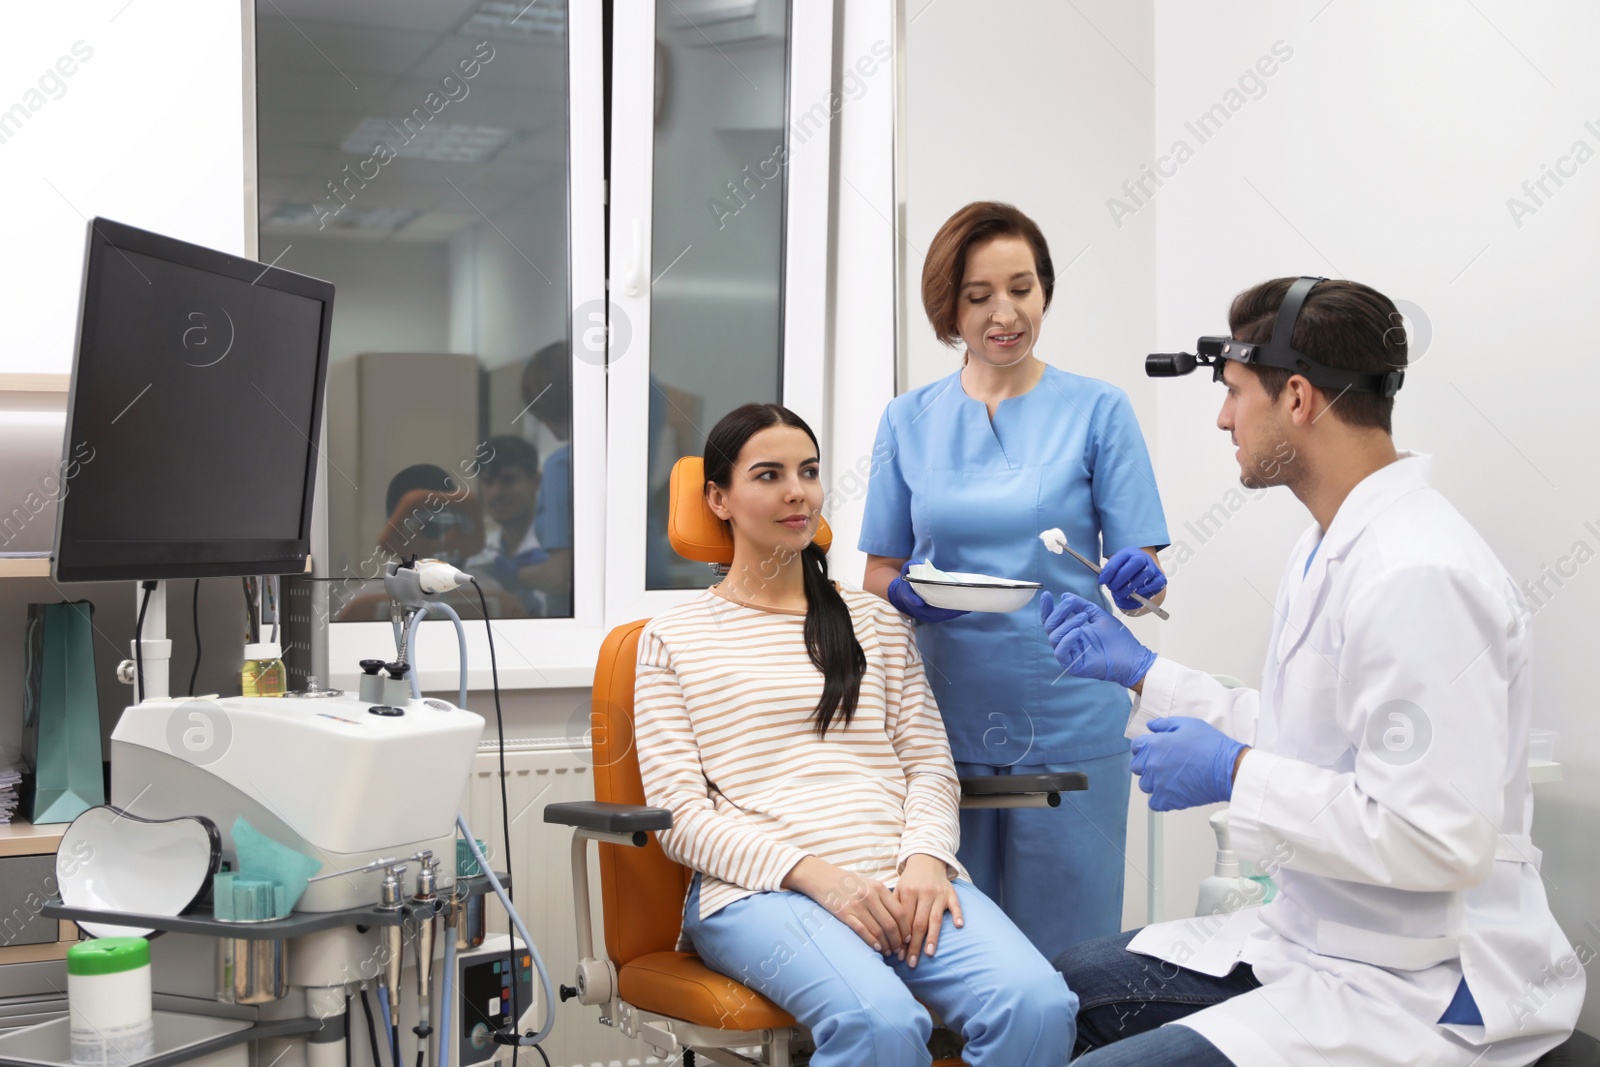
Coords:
830,635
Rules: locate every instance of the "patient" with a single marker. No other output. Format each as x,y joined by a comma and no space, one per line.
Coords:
789,728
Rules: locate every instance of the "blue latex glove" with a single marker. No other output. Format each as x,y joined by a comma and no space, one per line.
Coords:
1089,643
1185,762
905,598
1131,571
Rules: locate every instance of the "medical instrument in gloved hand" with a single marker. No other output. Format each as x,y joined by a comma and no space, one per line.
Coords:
1056,541
1130,575
1185,762
1089,643
906,599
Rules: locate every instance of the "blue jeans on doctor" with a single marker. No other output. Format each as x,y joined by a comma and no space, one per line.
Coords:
1126,999
987,982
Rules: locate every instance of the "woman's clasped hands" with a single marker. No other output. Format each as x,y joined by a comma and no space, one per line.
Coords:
905,921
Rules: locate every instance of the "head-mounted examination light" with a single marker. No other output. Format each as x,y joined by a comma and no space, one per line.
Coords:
1212,351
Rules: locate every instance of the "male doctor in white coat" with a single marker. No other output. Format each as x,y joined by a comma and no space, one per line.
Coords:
1379,774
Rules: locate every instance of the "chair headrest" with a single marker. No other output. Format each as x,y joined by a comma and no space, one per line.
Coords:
694,530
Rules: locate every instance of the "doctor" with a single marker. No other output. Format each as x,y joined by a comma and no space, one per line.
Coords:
1380,772
968,470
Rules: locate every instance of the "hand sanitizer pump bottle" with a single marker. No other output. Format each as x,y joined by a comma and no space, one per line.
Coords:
1227,889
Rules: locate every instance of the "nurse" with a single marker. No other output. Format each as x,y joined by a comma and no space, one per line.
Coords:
967,472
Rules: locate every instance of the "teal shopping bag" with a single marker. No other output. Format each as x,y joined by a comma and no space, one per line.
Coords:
61,727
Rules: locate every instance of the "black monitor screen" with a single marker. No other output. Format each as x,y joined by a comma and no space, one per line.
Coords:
196,399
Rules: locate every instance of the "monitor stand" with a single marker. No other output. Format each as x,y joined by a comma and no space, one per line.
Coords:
156,647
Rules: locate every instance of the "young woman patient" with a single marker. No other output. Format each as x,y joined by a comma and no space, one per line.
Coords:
789,728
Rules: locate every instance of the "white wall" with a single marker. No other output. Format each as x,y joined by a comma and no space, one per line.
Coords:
861,330
1383,146
1385,150
147,129
1069,119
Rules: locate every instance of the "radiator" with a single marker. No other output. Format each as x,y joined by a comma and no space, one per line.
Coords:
541,772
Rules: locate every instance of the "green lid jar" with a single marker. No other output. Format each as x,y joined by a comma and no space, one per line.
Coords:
108,955
109,1002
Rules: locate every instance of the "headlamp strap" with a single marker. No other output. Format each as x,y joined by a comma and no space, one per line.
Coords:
1289,314
1281,352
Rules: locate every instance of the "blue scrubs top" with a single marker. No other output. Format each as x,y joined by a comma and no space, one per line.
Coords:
975,496
552,512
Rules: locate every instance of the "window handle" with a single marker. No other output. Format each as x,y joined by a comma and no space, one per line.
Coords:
633,283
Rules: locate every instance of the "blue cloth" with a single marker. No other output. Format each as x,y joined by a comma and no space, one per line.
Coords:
1057,872
1125,999
986,982
507,566
1309,557
1463,1010
972,495
552,512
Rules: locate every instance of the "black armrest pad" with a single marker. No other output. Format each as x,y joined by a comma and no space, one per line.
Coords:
607,817
1012,784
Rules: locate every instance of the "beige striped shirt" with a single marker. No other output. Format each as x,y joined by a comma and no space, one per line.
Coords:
723,705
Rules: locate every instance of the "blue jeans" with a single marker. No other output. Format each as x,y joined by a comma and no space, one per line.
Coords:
1124,998
987,982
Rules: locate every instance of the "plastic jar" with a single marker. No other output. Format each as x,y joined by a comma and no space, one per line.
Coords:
263,673
108,1001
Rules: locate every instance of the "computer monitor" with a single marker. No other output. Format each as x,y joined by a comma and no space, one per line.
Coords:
196,402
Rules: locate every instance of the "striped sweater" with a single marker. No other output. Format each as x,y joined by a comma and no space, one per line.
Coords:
723,705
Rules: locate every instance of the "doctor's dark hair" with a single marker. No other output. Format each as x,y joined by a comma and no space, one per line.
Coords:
830,635
946,262
1342,324
512,453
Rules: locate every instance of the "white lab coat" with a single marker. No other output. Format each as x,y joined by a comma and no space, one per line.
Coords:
1387,793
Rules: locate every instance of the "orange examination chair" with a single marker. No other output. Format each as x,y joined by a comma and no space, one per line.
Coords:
642,985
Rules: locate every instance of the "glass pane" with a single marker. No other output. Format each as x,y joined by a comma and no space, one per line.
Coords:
415,155
716,323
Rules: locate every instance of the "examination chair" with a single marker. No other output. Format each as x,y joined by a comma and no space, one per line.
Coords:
643,985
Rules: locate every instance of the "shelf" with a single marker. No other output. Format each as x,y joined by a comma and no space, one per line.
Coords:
35,383
22,838
1540,770
39,566
179,1037
296,924
50,950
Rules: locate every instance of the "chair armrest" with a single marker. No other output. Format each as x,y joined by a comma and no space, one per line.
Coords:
618,824
607,817
997,784
1020,790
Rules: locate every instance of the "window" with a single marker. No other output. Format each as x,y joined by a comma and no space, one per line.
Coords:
448,173
716,249
418,159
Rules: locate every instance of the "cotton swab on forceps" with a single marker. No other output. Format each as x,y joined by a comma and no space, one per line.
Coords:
1056,541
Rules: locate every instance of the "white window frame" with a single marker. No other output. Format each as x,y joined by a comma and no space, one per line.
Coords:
542,653
805,276
611,403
